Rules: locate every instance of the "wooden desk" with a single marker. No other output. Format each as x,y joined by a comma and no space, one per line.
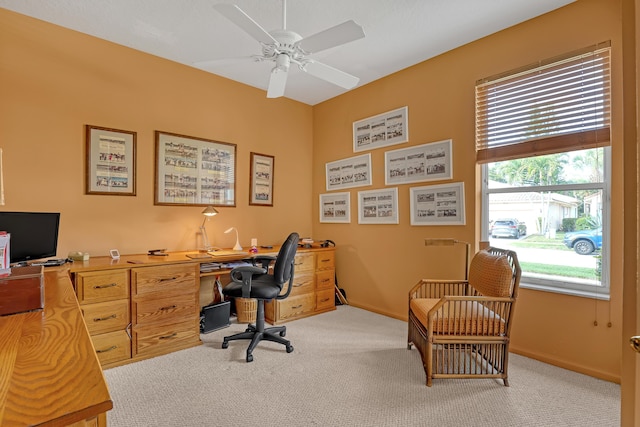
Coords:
142,306
49,372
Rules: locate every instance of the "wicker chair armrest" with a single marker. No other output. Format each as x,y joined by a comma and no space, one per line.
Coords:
427,288
476,298
470,315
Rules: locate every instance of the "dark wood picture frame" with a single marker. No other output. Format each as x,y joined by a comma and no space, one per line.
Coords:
110,167
192,171
261,182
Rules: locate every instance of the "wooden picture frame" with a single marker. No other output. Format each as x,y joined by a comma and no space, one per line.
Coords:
110,167
191,171
261,182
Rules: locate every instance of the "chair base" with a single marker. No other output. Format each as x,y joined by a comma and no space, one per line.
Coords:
258,332
442,358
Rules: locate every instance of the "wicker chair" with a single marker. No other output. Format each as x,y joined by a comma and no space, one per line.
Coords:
461,327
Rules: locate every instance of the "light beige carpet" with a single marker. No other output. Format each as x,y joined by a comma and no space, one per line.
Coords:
350,367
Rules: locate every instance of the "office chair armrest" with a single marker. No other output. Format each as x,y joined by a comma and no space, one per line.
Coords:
243,274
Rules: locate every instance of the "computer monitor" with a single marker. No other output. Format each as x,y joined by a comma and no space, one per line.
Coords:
34,235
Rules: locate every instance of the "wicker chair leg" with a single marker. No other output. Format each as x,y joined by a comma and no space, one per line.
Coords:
429,363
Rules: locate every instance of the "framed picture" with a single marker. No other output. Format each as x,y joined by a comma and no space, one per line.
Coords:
438,204
427,162
335,207
382,130
261,191
378,206
194,171
348,173
111,161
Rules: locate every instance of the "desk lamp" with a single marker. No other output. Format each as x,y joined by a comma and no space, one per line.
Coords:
452,242
208,212
237,246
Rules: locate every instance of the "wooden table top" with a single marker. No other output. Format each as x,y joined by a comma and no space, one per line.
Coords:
49,372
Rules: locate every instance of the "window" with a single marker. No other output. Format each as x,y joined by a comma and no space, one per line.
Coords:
542,139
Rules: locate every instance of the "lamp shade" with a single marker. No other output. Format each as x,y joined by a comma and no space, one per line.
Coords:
209,211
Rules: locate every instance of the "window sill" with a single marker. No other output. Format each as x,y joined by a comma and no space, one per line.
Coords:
601,295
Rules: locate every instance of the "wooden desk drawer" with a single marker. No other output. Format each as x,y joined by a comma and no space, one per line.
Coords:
174,308
152,340
295,306
302,284
325,260
106,316
112,346
325,280
164,278
303,262
325,299
98,286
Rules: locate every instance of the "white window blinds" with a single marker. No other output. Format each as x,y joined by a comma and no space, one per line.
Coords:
557,105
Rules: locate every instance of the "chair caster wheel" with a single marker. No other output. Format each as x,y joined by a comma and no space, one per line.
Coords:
225,344
283,333
249,358
289,348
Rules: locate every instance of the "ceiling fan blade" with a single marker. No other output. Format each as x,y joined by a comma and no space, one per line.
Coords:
223,61
340,34
330,74
236,15
277,83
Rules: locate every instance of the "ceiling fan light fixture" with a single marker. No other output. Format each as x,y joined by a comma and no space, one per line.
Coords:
283,61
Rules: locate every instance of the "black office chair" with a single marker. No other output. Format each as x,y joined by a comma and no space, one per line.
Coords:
256,282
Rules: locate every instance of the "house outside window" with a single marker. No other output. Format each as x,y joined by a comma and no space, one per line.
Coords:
543,143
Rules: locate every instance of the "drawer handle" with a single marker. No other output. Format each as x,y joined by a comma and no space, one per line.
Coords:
166,337
325,260
295,307
100,319
110,285
169,307
298,263
325,300
167,279
297,285
325,280
113,347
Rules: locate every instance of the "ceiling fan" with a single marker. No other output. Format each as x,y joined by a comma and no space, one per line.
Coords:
285,47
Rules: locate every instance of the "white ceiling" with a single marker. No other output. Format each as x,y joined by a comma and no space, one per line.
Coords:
399,33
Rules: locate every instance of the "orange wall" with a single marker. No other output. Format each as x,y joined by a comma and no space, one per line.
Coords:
378,264
53,81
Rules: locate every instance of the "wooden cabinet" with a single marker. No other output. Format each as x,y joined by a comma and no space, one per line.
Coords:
104,301
165,309
139,312
312,290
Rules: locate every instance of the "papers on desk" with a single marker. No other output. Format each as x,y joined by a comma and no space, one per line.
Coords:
228,253
207,267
